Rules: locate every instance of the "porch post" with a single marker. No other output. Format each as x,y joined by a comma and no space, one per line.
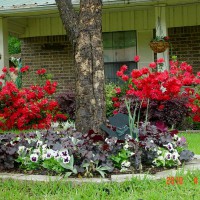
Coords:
161,30
4,57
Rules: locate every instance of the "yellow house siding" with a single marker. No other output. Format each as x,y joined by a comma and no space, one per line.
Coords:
128,20
178,16
46,26
113,20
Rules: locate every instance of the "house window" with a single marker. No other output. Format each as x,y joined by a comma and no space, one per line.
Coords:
119,49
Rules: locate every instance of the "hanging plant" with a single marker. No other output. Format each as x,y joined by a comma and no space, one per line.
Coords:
159,44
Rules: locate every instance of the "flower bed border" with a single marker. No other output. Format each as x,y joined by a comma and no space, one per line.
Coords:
192,165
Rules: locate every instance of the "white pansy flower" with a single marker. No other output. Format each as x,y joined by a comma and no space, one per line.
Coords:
168,156
175,156
175,137
21,149
125,164
34,157
128,137
123,169
63,153
126,146
49,154
160,158
169,146
36,151
29,140
66,159
154,161
44,147
54,153
39,143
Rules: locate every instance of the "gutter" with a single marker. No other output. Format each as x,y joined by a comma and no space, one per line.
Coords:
53,7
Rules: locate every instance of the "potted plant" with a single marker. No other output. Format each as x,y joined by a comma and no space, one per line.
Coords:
159,44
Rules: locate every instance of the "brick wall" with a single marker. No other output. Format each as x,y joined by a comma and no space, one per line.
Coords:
52,52
186,44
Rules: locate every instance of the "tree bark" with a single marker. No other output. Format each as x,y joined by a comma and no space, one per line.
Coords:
86,37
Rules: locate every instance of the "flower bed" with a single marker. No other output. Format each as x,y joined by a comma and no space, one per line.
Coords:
154,100
71,153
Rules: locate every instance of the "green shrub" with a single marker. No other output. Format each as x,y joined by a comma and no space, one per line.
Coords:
14,45
109,88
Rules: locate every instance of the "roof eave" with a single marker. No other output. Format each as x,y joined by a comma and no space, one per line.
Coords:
30,9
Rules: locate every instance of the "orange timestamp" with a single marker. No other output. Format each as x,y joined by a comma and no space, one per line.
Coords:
178,180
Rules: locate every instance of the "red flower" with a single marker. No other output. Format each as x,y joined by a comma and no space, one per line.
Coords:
119,73
116,104
24,69
144,70
160,60
137,58
136,73
115,112
123,68
152,65
5,70
118,90
52,105
115,99
2,76
61,117
41,71
12,69
125,77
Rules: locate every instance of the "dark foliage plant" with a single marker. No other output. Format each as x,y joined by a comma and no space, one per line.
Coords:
92,153
85,148
171,112
66,101
7,151
9,144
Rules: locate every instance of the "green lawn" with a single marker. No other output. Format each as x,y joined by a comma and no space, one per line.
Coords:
193,140
132,190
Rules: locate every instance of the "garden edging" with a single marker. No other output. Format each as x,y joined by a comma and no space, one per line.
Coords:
193,165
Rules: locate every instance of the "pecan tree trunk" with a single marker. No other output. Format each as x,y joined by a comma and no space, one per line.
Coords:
85,31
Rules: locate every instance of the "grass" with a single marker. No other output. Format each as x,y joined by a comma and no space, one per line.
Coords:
131,190
193,140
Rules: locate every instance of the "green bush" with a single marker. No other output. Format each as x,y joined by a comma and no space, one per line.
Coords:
14,45
110,92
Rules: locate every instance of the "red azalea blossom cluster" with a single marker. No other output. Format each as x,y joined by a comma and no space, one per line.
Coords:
41,71
24,69
28,108
5,71
161,85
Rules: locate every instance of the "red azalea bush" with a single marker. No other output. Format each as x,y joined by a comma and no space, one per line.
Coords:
27,108
155,89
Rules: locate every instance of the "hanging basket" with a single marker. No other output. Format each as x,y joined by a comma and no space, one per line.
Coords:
159,46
